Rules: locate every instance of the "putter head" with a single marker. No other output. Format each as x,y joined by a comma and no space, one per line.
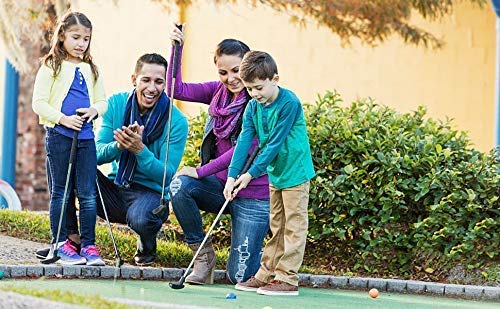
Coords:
51,258
119,263
163,206
177,285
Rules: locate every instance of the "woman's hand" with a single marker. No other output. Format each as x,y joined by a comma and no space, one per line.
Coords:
242,182
188,171
228,188
88,113
177,35
74,122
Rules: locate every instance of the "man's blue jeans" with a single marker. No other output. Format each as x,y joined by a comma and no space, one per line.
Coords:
249,221
133,206
82,179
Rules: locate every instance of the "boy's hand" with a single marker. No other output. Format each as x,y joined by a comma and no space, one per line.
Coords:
228,189
188,171
177,35
74,122
89,113
242,182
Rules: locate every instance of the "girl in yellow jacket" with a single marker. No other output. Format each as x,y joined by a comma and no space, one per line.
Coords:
67,83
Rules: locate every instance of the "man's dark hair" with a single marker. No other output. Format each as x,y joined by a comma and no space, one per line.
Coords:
257,65
150,59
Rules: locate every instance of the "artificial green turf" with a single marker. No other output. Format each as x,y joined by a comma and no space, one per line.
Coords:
215,296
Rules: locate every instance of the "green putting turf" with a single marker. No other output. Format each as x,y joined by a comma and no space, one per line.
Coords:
214,296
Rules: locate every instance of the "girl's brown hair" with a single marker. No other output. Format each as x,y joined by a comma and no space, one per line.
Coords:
57,52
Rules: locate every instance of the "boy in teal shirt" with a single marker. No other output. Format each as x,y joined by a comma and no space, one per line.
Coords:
275,116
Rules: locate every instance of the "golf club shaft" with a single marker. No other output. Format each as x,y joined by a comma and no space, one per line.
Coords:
107,221
221,211
74,144
170,107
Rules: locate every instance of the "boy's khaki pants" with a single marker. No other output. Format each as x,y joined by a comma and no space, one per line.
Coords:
283,254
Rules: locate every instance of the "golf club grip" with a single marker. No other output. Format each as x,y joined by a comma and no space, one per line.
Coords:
176,54
74,143
250,160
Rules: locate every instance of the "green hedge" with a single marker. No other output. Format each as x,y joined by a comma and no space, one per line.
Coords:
394,192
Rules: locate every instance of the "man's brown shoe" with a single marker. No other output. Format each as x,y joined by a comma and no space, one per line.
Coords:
251,284
276,287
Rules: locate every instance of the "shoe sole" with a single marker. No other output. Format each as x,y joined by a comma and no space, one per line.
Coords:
96,263
244,288
60,261
278,293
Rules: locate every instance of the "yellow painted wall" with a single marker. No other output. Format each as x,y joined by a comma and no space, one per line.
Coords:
457,81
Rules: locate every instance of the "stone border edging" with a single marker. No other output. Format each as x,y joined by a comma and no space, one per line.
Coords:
323,281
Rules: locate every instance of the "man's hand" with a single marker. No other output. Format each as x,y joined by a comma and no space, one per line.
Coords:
74,122
188,171
130,138
88,113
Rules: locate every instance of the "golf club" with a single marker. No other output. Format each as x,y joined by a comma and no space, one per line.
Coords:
180,284
52,256
119,261
163,200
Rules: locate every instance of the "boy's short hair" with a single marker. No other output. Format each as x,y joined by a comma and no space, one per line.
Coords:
257,65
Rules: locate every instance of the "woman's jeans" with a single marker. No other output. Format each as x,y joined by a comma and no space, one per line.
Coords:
82,178
249,221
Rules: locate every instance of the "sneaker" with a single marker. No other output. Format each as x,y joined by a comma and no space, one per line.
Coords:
91,255
277,287
143,260
43,253
252,284
68,255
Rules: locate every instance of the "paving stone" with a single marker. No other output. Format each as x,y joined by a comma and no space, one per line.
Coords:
379,284
434,288
6,270
52,270
151,273
34,271
358,283
72,270
109,272
415,286
130,272
454,289
473,291
395,285
490,292
319,280
339,282
90,271
17,271
172,273
304,279
219,275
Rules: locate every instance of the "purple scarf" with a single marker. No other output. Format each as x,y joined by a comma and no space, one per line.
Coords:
226,117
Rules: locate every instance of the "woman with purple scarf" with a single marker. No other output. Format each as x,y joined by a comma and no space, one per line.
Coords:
201,188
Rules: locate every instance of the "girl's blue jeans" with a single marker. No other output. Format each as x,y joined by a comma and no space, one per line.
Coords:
249,221
82,179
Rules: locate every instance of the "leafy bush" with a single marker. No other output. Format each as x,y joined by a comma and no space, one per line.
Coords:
398,193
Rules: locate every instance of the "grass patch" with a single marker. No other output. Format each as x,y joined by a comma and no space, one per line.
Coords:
91,301
36,227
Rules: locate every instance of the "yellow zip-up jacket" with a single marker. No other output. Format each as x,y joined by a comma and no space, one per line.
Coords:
50,92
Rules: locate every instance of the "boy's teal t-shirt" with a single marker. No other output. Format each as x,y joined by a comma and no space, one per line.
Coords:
281,130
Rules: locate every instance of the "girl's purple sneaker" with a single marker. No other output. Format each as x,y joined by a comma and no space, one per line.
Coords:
91,254
68,256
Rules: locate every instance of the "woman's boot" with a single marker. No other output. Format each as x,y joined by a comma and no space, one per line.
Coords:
204,264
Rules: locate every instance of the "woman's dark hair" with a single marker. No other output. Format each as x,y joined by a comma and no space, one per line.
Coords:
231,47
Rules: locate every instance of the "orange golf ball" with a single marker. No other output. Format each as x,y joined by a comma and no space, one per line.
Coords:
373,293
